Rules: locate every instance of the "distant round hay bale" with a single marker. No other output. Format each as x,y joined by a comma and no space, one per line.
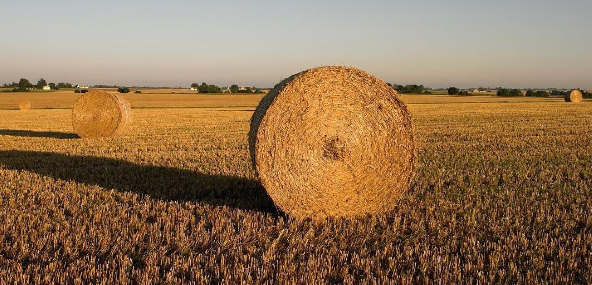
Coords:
100,114
25,105
333,141
574,96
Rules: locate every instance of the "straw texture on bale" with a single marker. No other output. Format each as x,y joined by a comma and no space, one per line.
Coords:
333,141
574,96
100,114
25,105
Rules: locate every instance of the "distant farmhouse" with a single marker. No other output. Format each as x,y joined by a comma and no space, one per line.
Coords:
46,87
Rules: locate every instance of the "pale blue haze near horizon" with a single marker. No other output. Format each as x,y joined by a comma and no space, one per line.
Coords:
523,43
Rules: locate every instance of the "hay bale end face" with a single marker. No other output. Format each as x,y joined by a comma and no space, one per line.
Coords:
25,105
333,141
100,114
574,96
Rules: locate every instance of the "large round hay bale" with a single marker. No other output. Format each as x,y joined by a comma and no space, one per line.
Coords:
24,106
333,141
100,114
573,96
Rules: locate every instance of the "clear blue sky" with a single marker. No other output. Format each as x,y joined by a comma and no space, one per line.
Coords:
520,43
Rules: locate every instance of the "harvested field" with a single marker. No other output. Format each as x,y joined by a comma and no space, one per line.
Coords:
502,194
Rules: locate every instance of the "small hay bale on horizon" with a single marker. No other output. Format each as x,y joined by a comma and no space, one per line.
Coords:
98,113
574,96
24,106
333,141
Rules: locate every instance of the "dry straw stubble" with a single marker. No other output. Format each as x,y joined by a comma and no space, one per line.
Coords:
333,141
574,96
25,105
100,114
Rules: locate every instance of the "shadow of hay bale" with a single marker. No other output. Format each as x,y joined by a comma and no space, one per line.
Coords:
165,183
36,134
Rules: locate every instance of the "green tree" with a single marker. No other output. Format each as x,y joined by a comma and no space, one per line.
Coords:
24,83
13,84
53,86
40,83
453,91
542,94
206,88
531,93
123,90
194,85
410,89
516,93
64,85
234,88
503,92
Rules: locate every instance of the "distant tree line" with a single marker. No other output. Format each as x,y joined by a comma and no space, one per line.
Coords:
24,85
504,92
531,93
63,85
235,89
206,88
585,93
105,86
456,91
410,89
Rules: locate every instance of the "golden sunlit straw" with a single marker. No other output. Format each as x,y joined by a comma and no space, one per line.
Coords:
574,96
333,141
24,106
100,114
